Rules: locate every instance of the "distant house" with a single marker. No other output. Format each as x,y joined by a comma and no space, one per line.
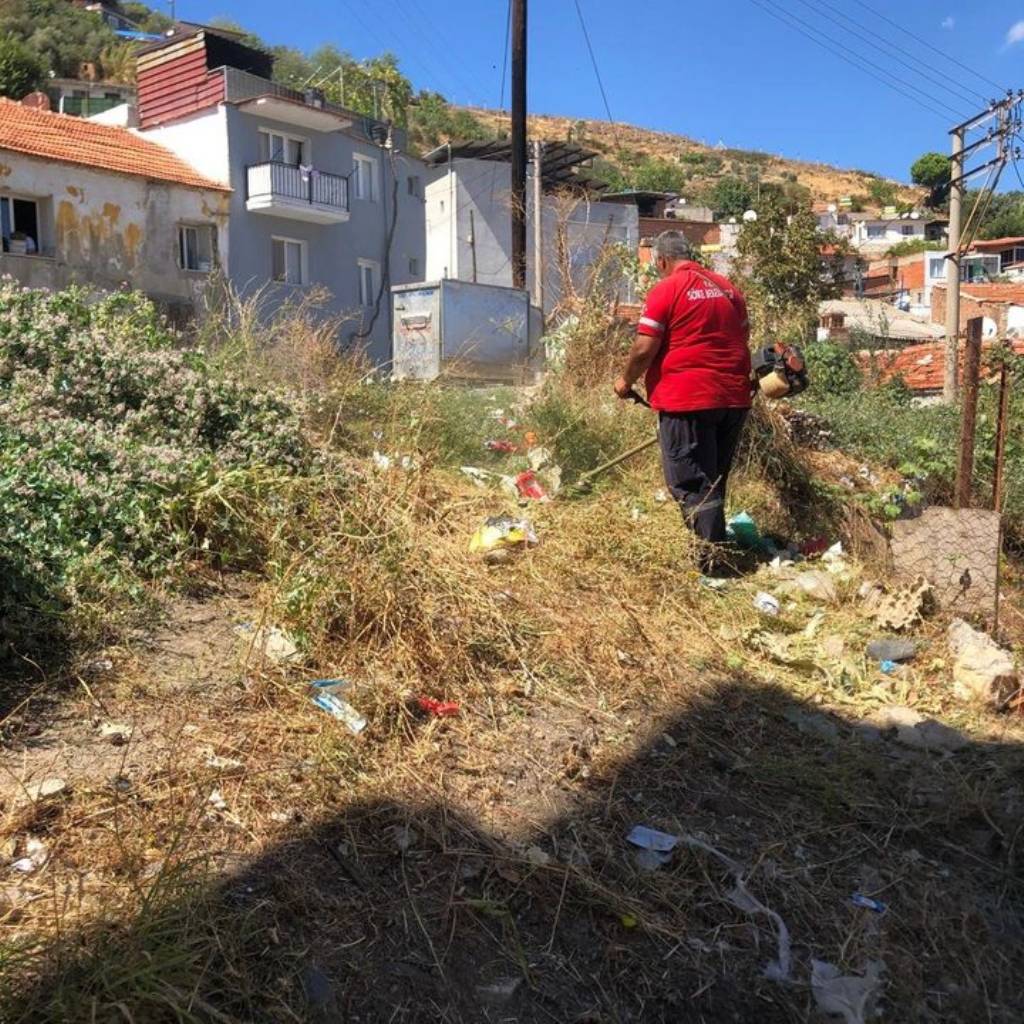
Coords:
84,203
1009,250
320,196
468,225
665,211
1001,307
877,233
83,97
110,12
871,319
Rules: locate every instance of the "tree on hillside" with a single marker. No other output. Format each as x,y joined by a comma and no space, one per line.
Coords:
654,174
882,192
1004,216
785,274
21,71
730,197
145,17
432,121
930,170
61,36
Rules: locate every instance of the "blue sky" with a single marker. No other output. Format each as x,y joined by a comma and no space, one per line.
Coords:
725,70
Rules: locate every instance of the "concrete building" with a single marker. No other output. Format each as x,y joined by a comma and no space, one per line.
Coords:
872,320
84,97
468,217
320,196
84,203
876,233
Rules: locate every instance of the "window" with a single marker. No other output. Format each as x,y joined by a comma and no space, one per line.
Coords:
414,185
368,272
364,178
289,259
876,231
19,219
908,229
196,248
937,267
414,267
278,148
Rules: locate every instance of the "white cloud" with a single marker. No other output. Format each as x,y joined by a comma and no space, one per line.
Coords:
949,23
1016,34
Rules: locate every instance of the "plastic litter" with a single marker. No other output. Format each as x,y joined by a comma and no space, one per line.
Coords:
867,903
502,532
35,857
480,477
818,586
766,604
438,708
530,487
741,897
892,649
742,530
814,546
274,643
888,667
327,699
655,848
500,446
216,801
846,996
539,458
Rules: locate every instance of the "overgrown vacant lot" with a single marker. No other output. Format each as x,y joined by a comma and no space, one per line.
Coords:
223,850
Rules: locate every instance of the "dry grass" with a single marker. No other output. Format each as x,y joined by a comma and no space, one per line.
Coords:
403,874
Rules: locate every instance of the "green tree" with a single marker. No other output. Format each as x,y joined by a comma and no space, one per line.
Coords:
145,17
784,271
882,192
930,171
654,174
432,121
20,69
730,197
61,36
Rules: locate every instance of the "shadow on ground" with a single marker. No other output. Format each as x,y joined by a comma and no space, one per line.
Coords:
402,912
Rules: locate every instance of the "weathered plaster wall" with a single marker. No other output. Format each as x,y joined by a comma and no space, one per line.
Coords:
108,230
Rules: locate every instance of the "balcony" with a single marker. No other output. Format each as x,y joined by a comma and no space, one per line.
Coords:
300,193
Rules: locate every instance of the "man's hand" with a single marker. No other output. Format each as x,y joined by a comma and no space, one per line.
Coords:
622,388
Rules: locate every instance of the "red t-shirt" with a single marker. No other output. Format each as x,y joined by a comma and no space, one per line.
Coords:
704,360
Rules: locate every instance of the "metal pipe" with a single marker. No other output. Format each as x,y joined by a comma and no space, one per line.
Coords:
956,196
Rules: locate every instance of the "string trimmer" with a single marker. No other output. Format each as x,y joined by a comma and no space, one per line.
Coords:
586,480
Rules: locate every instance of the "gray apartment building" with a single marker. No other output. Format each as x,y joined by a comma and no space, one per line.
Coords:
320,196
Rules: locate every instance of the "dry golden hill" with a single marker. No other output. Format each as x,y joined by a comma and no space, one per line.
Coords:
621,144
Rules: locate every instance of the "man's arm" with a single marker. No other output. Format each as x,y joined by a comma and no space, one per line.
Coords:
650,335
641,355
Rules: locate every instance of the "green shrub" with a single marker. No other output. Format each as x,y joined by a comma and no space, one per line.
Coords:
831,368
107,433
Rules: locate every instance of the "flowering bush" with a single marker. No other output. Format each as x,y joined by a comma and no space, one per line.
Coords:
107,429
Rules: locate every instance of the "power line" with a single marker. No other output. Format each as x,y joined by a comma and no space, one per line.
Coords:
969,96
924,42
427,27
597,72
787,19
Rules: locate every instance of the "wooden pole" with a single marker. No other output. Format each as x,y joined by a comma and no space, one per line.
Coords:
969,412
518,143
998,481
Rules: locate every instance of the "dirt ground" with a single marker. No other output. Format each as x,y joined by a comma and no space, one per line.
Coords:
234,854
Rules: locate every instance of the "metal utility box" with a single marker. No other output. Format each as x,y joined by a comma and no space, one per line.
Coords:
464,330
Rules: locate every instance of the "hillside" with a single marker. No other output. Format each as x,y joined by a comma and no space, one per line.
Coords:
624,146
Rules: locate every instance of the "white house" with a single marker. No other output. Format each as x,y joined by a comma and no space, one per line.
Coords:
468,217
877,233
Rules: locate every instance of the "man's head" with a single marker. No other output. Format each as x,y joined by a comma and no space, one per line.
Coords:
670,249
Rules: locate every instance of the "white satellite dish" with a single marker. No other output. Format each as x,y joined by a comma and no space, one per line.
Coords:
750,216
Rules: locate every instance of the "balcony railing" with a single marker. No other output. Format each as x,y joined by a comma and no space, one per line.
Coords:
273,181
88,106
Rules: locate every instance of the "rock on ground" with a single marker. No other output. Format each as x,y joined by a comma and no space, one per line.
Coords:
982,670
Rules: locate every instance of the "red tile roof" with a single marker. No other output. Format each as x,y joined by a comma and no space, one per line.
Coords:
996,244
73,140
922,367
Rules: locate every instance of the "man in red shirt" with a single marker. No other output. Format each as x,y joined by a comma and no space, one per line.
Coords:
693,345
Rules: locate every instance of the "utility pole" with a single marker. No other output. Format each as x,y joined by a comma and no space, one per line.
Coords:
518,143
956,199
538,224
1007,113
969,414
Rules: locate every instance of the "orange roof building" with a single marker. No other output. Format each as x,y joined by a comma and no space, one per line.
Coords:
74,140
98,205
